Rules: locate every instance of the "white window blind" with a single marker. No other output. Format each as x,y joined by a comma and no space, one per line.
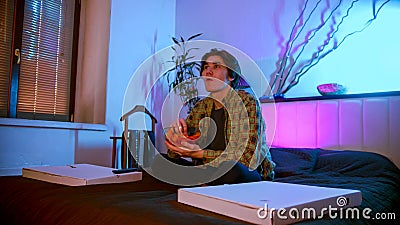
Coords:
44,79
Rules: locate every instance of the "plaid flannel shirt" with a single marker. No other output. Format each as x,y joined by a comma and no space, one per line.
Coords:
244,133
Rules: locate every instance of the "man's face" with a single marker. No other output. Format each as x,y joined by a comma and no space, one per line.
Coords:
215,74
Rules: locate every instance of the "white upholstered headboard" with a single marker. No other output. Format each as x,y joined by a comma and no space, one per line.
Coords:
366,124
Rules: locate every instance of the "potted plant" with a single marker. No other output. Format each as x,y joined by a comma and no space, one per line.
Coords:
184,79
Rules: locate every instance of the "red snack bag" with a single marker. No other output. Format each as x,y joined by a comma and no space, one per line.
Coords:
193,137
177,139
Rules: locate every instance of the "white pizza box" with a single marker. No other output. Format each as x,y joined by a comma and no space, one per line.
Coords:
79,175
272,202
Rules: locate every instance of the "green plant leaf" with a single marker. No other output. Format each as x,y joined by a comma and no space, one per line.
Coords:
194,36
180,77
176,41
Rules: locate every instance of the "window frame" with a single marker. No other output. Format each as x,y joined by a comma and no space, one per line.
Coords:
17,29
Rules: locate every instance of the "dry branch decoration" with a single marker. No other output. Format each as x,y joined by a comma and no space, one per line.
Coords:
289,70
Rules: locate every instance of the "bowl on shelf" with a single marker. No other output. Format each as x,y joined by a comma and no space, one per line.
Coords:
331,89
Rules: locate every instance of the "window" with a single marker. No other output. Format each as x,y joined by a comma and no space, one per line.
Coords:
37,67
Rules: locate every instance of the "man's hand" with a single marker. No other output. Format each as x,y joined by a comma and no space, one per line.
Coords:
177,130
177,133
185,149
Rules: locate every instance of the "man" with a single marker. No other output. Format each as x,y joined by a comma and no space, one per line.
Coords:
232,146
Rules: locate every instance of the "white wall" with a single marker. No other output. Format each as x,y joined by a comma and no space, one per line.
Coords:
138,30
366,62
27,146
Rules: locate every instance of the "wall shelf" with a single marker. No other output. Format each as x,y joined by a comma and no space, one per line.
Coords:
265,99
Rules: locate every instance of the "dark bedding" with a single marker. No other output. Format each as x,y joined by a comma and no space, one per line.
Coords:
26,201
374,175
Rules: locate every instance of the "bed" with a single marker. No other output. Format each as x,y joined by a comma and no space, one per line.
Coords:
27,201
